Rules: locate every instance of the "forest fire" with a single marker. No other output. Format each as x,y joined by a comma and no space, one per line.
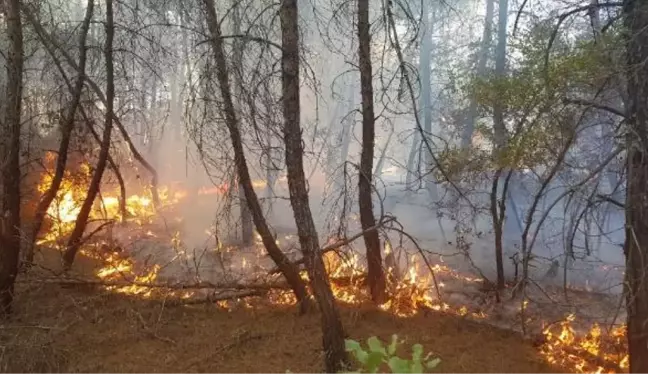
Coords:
410,291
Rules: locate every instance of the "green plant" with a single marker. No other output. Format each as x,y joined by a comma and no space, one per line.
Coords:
378,354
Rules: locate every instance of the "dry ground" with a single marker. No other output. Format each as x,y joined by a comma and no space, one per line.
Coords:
85,330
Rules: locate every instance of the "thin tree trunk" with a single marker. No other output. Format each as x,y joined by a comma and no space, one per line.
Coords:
74,242
247,232
425,105
425,102
500,71
67,127
10,219
381,161
113,165
609,96
335,358
498,214
375,274
411,159
288,269
348,125
500,140
466,138
636,242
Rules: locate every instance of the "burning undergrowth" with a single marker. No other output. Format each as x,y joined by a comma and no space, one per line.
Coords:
596,350
143,255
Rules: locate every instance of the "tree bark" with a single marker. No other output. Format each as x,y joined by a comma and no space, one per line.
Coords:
10,161
335,358
288,270
67,127
636,242
75,240
375,274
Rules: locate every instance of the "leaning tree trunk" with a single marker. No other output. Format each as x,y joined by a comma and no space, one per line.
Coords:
75,240
636,243
375,274
10,151
67,126
288,269
335,357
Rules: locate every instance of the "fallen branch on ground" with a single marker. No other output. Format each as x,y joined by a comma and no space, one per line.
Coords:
171,286
219,297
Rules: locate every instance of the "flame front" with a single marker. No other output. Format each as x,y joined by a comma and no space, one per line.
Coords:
408,295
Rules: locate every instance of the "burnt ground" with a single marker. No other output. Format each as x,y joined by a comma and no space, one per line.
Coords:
82,329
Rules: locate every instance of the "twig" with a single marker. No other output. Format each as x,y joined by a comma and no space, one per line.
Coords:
422,253
149,331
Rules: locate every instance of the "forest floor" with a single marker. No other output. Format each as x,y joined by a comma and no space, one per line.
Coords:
80,329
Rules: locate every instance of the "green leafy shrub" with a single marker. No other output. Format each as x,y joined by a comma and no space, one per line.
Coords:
377,355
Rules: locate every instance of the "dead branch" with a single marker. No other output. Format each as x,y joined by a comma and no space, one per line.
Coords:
343,242
425,259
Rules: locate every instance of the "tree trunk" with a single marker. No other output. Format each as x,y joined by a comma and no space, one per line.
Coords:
247,232
335,358
498,214
425,104
636,242
67,126
348,125
10,151
383,154
482,59
375,274
500,71
288,270
113,165
412,159
498,207
75,240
